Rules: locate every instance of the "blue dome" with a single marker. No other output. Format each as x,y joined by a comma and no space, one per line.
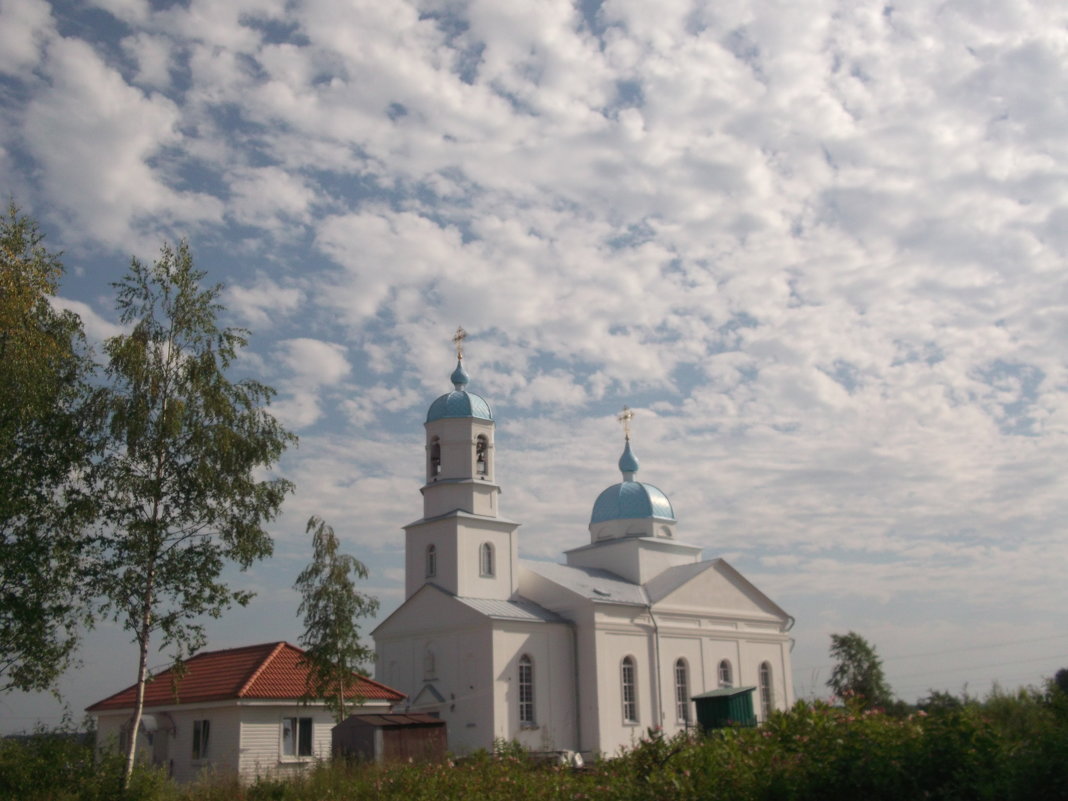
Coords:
630,500
459,402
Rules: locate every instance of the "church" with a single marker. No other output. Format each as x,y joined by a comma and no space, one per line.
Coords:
585,655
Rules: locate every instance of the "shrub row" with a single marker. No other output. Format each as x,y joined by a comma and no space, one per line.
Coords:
1009,747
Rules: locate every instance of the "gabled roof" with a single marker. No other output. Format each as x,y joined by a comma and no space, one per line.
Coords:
270,671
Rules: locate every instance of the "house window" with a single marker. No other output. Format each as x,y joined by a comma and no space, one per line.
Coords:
431,561
201,737
296,737
726,678
481,454
435,459
486,559
766,700
682,692
628,680
526,691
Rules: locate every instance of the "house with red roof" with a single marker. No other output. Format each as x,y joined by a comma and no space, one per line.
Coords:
239,710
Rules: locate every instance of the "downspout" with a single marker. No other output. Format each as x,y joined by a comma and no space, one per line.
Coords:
656,668
575,680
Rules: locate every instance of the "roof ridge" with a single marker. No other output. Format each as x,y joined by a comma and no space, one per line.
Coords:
278,646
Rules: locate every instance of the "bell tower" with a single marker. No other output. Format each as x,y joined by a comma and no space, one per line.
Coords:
461,544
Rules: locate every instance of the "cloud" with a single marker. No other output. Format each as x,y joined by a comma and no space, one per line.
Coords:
27,25
94,137
818,247
263,301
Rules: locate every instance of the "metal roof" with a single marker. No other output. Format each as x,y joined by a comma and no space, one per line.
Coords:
631,500
516,609
723,692
592,583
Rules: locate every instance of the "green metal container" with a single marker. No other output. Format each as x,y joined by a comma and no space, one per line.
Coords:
727,706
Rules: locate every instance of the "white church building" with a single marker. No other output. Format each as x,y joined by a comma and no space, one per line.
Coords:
585,655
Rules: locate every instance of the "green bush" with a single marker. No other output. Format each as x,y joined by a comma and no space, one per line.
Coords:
1009,747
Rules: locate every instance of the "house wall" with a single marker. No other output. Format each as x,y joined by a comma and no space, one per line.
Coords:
261,738
173,749
245,737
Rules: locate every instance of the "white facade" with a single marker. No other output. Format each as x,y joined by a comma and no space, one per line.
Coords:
586,655
244,737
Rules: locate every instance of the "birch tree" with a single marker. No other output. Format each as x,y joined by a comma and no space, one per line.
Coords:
331,606
182,481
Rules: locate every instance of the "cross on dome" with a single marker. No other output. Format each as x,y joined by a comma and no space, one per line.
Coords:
625,417
458,340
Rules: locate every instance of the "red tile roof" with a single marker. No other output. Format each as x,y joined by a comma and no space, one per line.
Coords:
267,671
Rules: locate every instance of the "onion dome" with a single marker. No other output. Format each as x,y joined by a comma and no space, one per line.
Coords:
459,402
630,499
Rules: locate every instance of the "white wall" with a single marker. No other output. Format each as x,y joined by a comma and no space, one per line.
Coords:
261,738
550,648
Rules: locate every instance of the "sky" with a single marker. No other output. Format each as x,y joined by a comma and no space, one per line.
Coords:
816,245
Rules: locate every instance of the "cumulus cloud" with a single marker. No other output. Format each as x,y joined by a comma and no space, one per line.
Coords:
819,247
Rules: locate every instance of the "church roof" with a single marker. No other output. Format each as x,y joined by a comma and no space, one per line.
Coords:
459,402
515,609
591,583
271,670
630,499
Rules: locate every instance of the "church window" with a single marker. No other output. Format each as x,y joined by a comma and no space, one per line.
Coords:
435,459
682,692
726,677
766,700
431,561
629,682
526,691
481,454
486,560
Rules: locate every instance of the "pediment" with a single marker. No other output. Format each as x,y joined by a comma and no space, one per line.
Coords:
431,610
711,587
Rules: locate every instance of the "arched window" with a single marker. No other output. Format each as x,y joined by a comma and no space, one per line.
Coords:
431,561
429,664
526,691
682,692
485,560
726,676
435,459
481,455
766,699
629,685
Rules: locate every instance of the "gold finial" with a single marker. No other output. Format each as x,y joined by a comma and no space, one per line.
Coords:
625,417
458,340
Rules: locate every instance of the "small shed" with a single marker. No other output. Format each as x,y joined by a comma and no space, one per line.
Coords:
724,707
392,737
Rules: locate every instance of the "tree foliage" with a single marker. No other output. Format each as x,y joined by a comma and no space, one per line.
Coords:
858,671
48,434
331,607
181,479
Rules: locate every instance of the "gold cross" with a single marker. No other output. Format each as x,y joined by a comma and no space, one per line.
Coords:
458,340
625,417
